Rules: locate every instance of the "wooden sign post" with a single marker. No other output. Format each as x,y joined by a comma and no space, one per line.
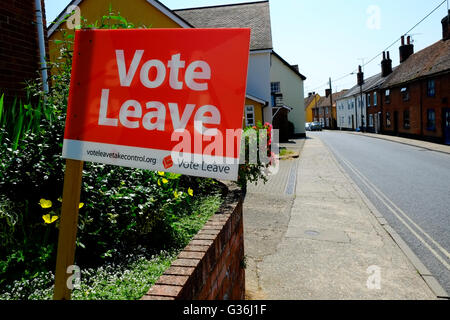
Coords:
68,227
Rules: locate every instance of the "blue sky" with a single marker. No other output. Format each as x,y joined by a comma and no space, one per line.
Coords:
328,38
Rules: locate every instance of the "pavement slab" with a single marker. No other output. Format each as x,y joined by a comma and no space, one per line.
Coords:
323,242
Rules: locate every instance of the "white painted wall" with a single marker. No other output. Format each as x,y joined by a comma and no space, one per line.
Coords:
291,86
348,107
258,80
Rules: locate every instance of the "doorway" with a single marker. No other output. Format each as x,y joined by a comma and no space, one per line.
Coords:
446,120
396,122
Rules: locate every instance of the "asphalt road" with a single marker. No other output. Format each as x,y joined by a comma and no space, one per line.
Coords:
410,186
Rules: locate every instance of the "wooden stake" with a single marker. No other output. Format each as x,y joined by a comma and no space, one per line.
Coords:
68,227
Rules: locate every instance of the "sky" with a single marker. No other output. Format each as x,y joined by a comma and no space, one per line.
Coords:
330,38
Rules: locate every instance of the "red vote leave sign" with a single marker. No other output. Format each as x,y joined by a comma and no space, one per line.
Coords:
159,99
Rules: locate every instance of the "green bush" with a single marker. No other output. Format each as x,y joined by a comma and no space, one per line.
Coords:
123,208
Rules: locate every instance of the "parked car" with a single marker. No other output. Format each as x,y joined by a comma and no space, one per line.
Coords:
316,126
308,126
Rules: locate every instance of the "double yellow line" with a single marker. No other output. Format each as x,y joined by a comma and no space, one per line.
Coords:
401,216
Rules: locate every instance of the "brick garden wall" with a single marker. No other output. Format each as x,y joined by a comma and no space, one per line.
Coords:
211,266
19,50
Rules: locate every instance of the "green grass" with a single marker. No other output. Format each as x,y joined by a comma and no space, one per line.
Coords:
286,152
129,280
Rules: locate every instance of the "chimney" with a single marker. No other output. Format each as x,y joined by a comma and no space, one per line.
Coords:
386,65
295,66
310,94
406,50
360,76
446,27
327,92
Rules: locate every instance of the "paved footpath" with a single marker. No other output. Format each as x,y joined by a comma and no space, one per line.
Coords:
321,241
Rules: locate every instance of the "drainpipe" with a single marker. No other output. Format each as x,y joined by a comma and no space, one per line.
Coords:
41,42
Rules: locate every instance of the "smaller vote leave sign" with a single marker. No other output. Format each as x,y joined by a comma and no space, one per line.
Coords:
163,99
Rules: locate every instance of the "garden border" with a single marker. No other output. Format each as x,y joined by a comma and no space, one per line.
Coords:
212,266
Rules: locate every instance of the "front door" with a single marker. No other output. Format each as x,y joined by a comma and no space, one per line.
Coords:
395,122
446,119
379,121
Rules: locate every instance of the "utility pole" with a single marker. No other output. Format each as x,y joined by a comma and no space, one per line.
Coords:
331,106
360,83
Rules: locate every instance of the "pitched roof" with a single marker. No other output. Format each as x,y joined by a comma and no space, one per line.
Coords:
309,99
295,68
431,60
325,101
253,15
157,4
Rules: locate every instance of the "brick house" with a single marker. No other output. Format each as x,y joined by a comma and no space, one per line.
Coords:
19,46
416,95
373,95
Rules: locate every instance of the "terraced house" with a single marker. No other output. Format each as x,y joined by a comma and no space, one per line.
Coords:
416,95
265,65
410,100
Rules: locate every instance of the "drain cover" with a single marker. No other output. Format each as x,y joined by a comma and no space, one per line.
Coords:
312,233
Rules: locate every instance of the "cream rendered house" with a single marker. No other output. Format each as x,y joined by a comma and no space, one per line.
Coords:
288,92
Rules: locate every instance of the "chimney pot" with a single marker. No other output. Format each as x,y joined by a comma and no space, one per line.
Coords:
384,55
388,56
406,50
446,27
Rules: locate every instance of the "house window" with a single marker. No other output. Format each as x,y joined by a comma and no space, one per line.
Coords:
375,102
387,96
249,116
431,88
406,123
388,119
405,93
368,100
349,121
431,120
370,120
326,110
275,87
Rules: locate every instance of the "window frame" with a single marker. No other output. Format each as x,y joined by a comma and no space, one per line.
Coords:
388,120
431,90
275,84
405,93
387,96
247,124
433,126
406,124
371,120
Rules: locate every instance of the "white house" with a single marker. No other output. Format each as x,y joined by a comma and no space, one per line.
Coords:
266,68
288,91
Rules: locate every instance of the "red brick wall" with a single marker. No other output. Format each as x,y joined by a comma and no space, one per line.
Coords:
438,103
418,104
211,266
19,50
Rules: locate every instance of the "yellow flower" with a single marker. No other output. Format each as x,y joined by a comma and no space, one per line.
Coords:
161,173
45,204
81,205
48,219
191,192
176,195
60,199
